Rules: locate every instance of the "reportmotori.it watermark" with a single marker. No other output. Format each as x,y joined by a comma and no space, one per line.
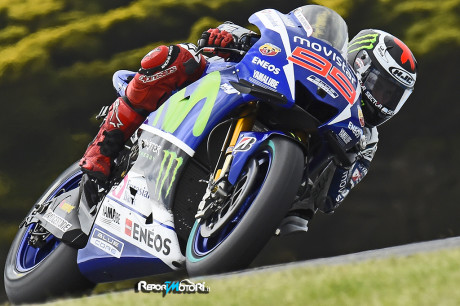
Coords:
175,287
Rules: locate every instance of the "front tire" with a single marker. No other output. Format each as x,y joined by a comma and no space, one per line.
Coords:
280,163
34,274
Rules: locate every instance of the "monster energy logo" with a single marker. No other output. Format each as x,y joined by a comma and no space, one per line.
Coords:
364,42
169,163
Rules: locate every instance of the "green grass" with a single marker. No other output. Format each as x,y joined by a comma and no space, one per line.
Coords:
423,279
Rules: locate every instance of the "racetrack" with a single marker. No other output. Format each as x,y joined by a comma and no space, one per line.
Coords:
396,251
416,274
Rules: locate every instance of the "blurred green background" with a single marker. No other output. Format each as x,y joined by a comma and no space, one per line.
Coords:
56,62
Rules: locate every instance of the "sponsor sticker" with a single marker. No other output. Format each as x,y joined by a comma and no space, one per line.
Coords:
128,227
356,130
66,207
356,177
170,164
57,221
266,80
159,75
269,49
266,65
303,21
148,238
344,136
402,76
318,82
244,144
151,146
111,214
361,116
229,89
107,243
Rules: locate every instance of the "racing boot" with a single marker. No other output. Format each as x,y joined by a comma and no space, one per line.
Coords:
297,219
295,222
119,124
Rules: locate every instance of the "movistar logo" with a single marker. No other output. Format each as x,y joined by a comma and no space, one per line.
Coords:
362,42
168,170
179,106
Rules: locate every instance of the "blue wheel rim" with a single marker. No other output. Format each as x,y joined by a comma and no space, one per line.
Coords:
203,246
28,257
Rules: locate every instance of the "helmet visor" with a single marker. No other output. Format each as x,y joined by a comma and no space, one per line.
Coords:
386,91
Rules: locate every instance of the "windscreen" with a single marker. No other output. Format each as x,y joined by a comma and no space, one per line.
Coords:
327,26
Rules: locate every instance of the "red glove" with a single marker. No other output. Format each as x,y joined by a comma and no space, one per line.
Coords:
218,38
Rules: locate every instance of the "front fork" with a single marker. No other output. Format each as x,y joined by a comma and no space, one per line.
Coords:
218,186
229,165
245,123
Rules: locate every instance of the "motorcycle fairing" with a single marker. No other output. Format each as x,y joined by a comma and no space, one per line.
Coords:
62,220
131,232
99,261
190,114
266,63
300,57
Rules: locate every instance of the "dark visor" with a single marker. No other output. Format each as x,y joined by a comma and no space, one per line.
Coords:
385,90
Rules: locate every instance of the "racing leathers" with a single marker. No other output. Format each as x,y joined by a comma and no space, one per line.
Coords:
331,187
344,179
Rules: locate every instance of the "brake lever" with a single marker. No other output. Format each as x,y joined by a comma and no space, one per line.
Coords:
215,50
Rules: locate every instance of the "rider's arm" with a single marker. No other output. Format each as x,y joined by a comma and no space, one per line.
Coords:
345,179
228,35
244,38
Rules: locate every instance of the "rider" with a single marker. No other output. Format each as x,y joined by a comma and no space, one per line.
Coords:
385,66
387,71
163,70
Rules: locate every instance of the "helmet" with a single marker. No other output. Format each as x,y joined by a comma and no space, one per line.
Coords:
387,70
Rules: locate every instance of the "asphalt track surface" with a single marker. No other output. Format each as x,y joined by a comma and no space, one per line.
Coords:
396,251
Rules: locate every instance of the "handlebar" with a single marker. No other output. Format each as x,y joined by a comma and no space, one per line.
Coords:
215,50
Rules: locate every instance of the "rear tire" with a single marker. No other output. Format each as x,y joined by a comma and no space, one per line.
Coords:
35,274
248,233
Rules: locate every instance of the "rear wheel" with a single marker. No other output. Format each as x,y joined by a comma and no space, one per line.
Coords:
231,238
35,273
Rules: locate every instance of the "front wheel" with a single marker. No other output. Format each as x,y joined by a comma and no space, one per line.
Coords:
230,239
35,273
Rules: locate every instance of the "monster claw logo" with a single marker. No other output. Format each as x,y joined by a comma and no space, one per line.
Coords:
363,42
168,170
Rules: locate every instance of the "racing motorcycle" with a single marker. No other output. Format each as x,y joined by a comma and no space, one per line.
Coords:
207,179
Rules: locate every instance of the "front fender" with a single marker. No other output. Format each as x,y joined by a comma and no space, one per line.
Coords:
246,145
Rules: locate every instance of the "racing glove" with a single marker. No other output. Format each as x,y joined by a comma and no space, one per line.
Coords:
217,38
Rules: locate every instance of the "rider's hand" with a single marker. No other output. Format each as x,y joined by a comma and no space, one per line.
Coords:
217,38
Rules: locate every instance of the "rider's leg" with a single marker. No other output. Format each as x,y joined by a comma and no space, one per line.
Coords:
162,71
120,123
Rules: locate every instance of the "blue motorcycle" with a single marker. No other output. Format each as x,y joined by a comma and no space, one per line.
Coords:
207,179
